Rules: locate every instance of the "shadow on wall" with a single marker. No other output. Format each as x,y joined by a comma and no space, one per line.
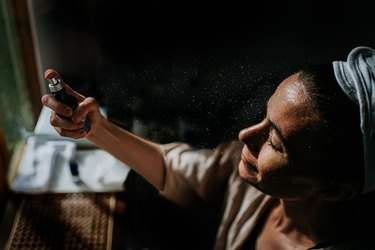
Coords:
188,71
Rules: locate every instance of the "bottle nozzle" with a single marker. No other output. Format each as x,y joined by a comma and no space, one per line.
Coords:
55,81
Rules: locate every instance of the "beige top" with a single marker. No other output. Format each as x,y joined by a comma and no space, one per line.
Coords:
212,175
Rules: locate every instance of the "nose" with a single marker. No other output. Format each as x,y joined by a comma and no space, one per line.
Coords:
255,136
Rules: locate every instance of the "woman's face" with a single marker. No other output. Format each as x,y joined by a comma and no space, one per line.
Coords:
278,152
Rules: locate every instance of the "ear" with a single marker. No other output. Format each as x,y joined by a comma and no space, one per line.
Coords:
339,191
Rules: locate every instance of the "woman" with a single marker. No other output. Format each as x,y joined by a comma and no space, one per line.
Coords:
309,179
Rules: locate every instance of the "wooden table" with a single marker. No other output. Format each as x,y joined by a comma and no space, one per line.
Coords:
62,221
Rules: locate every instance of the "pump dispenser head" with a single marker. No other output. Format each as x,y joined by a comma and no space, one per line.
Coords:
55,82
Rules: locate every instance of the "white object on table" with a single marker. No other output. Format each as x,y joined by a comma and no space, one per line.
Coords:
44,168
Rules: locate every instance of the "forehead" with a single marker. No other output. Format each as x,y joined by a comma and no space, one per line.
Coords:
290,107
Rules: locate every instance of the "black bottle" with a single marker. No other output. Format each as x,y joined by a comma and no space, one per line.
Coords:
56,86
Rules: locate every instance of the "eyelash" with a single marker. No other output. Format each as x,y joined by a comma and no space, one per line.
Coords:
269,141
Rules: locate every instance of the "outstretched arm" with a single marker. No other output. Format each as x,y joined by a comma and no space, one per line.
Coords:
143,156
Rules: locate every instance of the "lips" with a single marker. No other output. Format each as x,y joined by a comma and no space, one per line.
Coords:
247,163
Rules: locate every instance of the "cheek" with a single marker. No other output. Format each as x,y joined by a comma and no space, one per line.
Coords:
269,166
273,170
270,162
276,178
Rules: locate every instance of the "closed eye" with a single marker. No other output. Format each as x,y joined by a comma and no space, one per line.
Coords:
269,141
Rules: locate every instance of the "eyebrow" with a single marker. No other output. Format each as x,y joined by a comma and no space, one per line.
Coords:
277,130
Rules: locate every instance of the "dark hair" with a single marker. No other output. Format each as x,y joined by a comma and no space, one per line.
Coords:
340,139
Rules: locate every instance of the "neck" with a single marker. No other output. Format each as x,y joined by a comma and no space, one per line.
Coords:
316,220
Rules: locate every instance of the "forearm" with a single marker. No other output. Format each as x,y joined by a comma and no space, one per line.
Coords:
143,156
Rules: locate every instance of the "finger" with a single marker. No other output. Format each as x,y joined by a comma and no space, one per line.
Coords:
65,124
49,101
74,93
49,73
85,107
71,133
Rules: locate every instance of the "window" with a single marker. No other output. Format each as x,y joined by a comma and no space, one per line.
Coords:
19,85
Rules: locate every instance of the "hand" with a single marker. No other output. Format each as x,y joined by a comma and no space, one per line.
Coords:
73,128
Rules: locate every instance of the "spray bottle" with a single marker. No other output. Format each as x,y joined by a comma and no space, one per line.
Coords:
56,86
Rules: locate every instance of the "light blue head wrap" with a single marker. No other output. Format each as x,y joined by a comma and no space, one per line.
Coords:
356,77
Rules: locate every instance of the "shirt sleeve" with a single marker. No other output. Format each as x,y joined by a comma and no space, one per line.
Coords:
196,175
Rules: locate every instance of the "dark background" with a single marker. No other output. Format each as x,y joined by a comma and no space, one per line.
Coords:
189,70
